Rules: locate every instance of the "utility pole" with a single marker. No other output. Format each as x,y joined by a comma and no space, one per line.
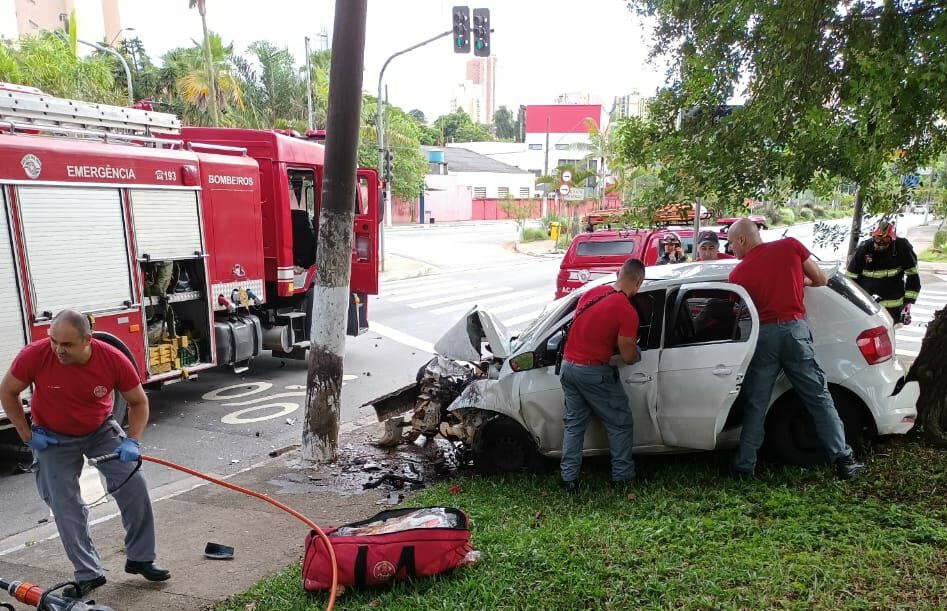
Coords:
320,438
308,87
546,171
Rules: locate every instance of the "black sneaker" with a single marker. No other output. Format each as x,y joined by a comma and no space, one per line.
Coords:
571,487
847,467
622,485
85,586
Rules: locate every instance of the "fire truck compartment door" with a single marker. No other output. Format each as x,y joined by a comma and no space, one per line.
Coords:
167,223
12,329
75,248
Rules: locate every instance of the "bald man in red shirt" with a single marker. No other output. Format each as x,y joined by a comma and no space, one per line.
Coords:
73,377
774,275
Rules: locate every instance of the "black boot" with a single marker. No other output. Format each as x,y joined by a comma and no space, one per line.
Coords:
85,586
148,570
847,467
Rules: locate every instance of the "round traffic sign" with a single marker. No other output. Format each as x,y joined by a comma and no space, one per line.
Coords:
566,176
563,189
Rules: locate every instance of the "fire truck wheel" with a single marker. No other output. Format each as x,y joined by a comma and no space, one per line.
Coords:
119,405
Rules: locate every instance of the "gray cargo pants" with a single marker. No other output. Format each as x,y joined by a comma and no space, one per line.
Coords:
57,479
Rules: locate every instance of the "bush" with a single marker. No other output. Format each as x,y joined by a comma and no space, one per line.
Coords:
940,239
533,234
806,214
786,216
818,212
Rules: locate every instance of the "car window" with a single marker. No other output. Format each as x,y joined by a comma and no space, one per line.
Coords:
650,309
854,293
686,243
706,316
600,248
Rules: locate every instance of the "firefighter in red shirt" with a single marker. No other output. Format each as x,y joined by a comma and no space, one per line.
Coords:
774,275
73,377
604,319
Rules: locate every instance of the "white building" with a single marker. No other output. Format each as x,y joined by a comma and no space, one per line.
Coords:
458,177
631,105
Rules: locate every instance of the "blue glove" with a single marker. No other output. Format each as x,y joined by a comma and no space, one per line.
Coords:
128,450
41,439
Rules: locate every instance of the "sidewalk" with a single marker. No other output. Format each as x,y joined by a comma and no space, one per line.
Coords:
921,238
539,248
398,267
265,539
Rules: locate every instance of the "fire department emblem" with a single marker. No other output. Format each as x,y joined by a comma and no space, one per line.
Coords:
100,391
31,165
383,571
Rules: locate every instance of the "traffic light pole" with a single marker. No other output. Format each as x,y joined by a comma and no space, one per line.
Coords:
380,139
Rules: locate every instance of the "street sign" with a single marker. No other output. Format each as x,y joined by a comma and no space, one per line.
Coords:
566,176
576,194
563,190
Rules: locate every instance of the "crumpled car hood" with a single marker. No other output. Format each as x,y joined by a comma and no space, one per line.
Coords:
463,340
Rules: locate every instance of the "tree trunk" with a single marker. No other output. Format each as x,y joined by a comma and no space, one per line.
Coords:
320,438
211,74
857,213
930,371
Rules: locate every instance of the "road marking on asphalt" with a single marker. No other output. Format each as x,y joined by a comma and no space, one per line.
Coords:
91,488
401,338
481,302
531,316
466,297
237,417
254,388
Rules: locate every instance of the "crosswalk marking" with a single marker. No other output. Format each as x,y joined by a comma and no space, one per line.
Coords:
460,307
544,299
908,339
512,322
459,297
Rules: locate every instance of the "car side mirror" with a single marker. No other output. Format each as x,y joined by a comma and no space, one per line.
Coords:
555,341
523,362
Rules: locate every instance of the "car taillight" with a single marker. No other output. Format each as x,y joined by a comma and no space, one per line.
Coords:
579,275
875,345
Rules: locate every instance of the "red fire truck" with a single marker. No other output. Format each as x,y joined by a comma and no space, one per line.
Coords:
189,248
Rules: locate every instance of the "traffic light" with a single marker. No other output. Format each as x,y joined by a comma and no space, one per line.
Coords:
461,29
481,32
389,173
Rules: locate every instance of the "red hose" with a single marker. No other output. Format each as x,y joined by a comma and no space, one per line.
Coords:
263,497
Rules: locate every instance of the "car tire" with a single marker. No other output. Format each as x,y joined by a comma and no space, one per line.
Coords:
503,446
791,436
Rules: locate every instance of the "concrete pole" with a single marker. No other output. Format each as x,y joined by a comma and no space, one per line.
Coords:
332,292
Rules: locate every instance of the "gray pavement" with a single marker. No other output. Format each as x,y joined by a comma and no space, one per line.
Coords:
193,513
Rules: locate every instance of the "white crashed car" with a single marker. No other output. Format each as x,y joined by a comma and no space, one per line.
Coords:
697,334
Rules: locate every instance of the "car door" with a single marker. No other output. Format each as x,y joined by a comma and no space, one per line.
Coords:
542,400
710,334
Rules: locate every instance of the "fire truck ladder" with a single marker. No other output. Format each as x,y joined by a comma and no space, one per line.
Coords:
32,112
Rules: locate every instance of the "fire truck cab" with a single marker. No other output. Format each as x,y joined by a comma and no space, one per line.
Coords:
187,248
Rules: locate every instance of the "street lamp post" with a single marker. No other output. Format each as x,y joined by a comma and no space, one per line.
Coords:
380,139
119,33
128,73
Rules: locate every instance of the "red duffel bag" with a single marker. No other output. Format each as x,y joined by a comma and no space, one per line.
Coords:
388,546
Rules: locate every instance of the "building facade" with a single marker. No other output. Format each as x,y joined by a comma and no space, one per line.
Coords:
630,105
476,95
97,20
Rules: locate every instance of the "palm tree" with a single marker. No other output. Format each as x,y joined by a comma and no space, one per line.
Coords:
185,80
202,9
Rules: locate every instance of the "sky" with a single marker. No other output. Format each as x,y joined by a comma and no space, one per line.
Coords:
543,47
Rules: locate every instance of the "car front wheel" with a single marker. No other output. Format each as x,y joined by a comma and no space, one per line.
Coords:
503,446
791,437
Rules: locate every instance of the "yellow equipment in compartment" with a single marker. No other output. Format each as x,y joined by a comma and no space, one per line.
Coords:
166,356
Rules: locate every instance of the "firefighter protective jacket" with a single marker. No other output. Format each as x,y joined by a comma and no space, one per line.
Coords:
891,274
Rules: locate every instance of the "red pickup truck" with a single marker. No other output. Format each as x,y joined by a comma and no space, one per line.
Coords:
595,254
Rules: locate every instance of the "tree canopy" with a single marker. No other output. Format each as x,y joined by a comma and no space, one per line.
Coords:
828,87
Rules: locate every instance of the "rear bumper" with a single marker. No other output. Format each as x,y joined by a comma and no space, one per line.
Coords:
901,411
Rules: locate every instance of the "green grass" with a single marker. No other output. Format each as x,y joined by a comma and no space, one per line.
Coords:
686,538
933,256
533,234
